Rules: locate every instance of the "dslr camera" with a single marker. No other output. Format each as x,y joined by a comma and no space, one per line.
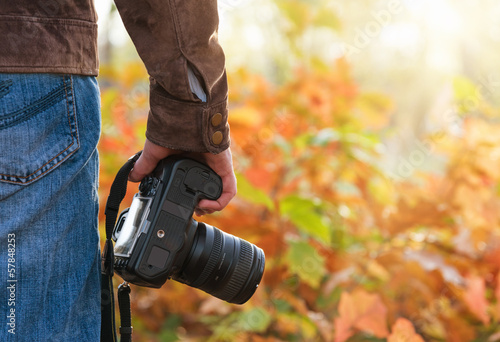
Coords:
158,239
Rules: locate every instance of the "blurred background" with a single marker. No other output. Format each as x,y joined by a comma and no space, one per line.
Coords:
366,142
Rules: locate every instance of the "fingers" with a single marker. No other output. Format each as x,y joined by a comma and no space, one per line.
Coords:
219,204
142,167
208,207
221,163
201,212
148,160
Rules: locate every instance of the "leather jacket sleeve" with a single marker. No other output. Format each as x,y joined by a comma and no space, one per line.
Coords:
169,35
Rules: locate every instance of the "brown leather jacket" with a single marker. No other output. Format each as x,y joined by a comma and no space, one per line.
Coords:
60,36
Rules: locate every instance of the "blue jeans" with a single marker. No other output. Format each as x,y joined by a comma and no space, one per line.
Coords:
49,240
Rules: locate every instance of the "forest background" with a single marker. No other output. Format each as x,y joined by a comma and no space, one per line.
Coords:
366,141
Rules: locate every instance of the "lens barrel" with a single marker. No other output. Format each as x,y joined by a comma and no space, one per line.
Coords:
223,265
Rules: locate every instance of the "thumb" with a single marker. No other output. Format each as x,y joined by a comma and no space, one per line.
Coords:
142,167
151,155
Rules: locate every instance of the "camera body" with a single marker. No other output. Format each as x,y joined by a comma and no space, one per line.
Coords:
154,237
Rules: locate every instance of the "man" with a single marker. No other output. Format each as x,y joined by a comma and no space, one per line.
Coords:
49,128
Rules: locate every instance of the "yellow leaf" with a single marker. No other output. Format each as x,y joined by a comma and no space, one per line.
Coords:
377,270
245,116
375,109
497,296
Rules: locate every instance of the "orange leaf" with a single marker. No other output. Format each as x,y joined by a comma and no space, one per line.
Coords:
403,331
342,329
497,295
363,311
458,329
475,298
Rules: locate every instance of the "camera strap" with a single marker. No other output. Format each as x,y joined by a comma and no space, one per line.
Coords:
108,327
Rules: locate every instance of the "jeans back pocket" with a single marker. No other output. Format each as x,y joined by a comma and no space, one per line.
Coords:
38,126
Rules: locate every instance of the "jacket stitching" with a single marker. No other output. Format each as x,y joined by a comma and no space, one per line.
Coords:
177,25
43,20
180,42
16,67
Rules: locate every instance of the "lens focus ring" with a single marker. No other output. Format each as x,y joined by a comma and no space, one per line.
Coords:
212,260
240,273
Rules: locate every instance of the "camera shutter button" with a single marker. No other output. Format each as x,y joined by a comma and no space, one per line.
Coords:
146,186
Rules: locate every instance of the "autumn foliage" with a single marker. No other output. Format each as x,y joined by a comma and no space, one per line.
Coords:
352,253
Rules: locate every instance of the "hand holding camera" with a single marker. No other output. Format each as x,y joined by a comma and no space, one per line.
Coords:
157,238
221,163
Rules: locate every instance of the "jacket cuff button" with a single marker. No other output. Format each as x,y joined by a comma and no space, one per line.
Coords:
217,138
216,119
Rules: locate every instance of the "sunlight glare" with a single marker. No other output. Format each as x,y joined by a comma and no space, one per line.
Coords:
442,16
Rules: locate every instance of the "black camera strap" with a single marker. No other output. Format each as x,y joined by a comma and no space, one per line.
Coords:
108,327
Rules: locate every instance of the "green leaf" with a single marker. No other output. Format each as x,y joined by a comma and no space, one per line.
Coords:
252,194
282,305
297,12
223,328
305,261
325,136
327,18
305,215
169,329
307,329
255,320
464,88
467,95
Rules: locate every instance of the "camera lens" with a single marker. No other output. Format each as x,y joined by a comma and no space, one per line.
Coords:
223,265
